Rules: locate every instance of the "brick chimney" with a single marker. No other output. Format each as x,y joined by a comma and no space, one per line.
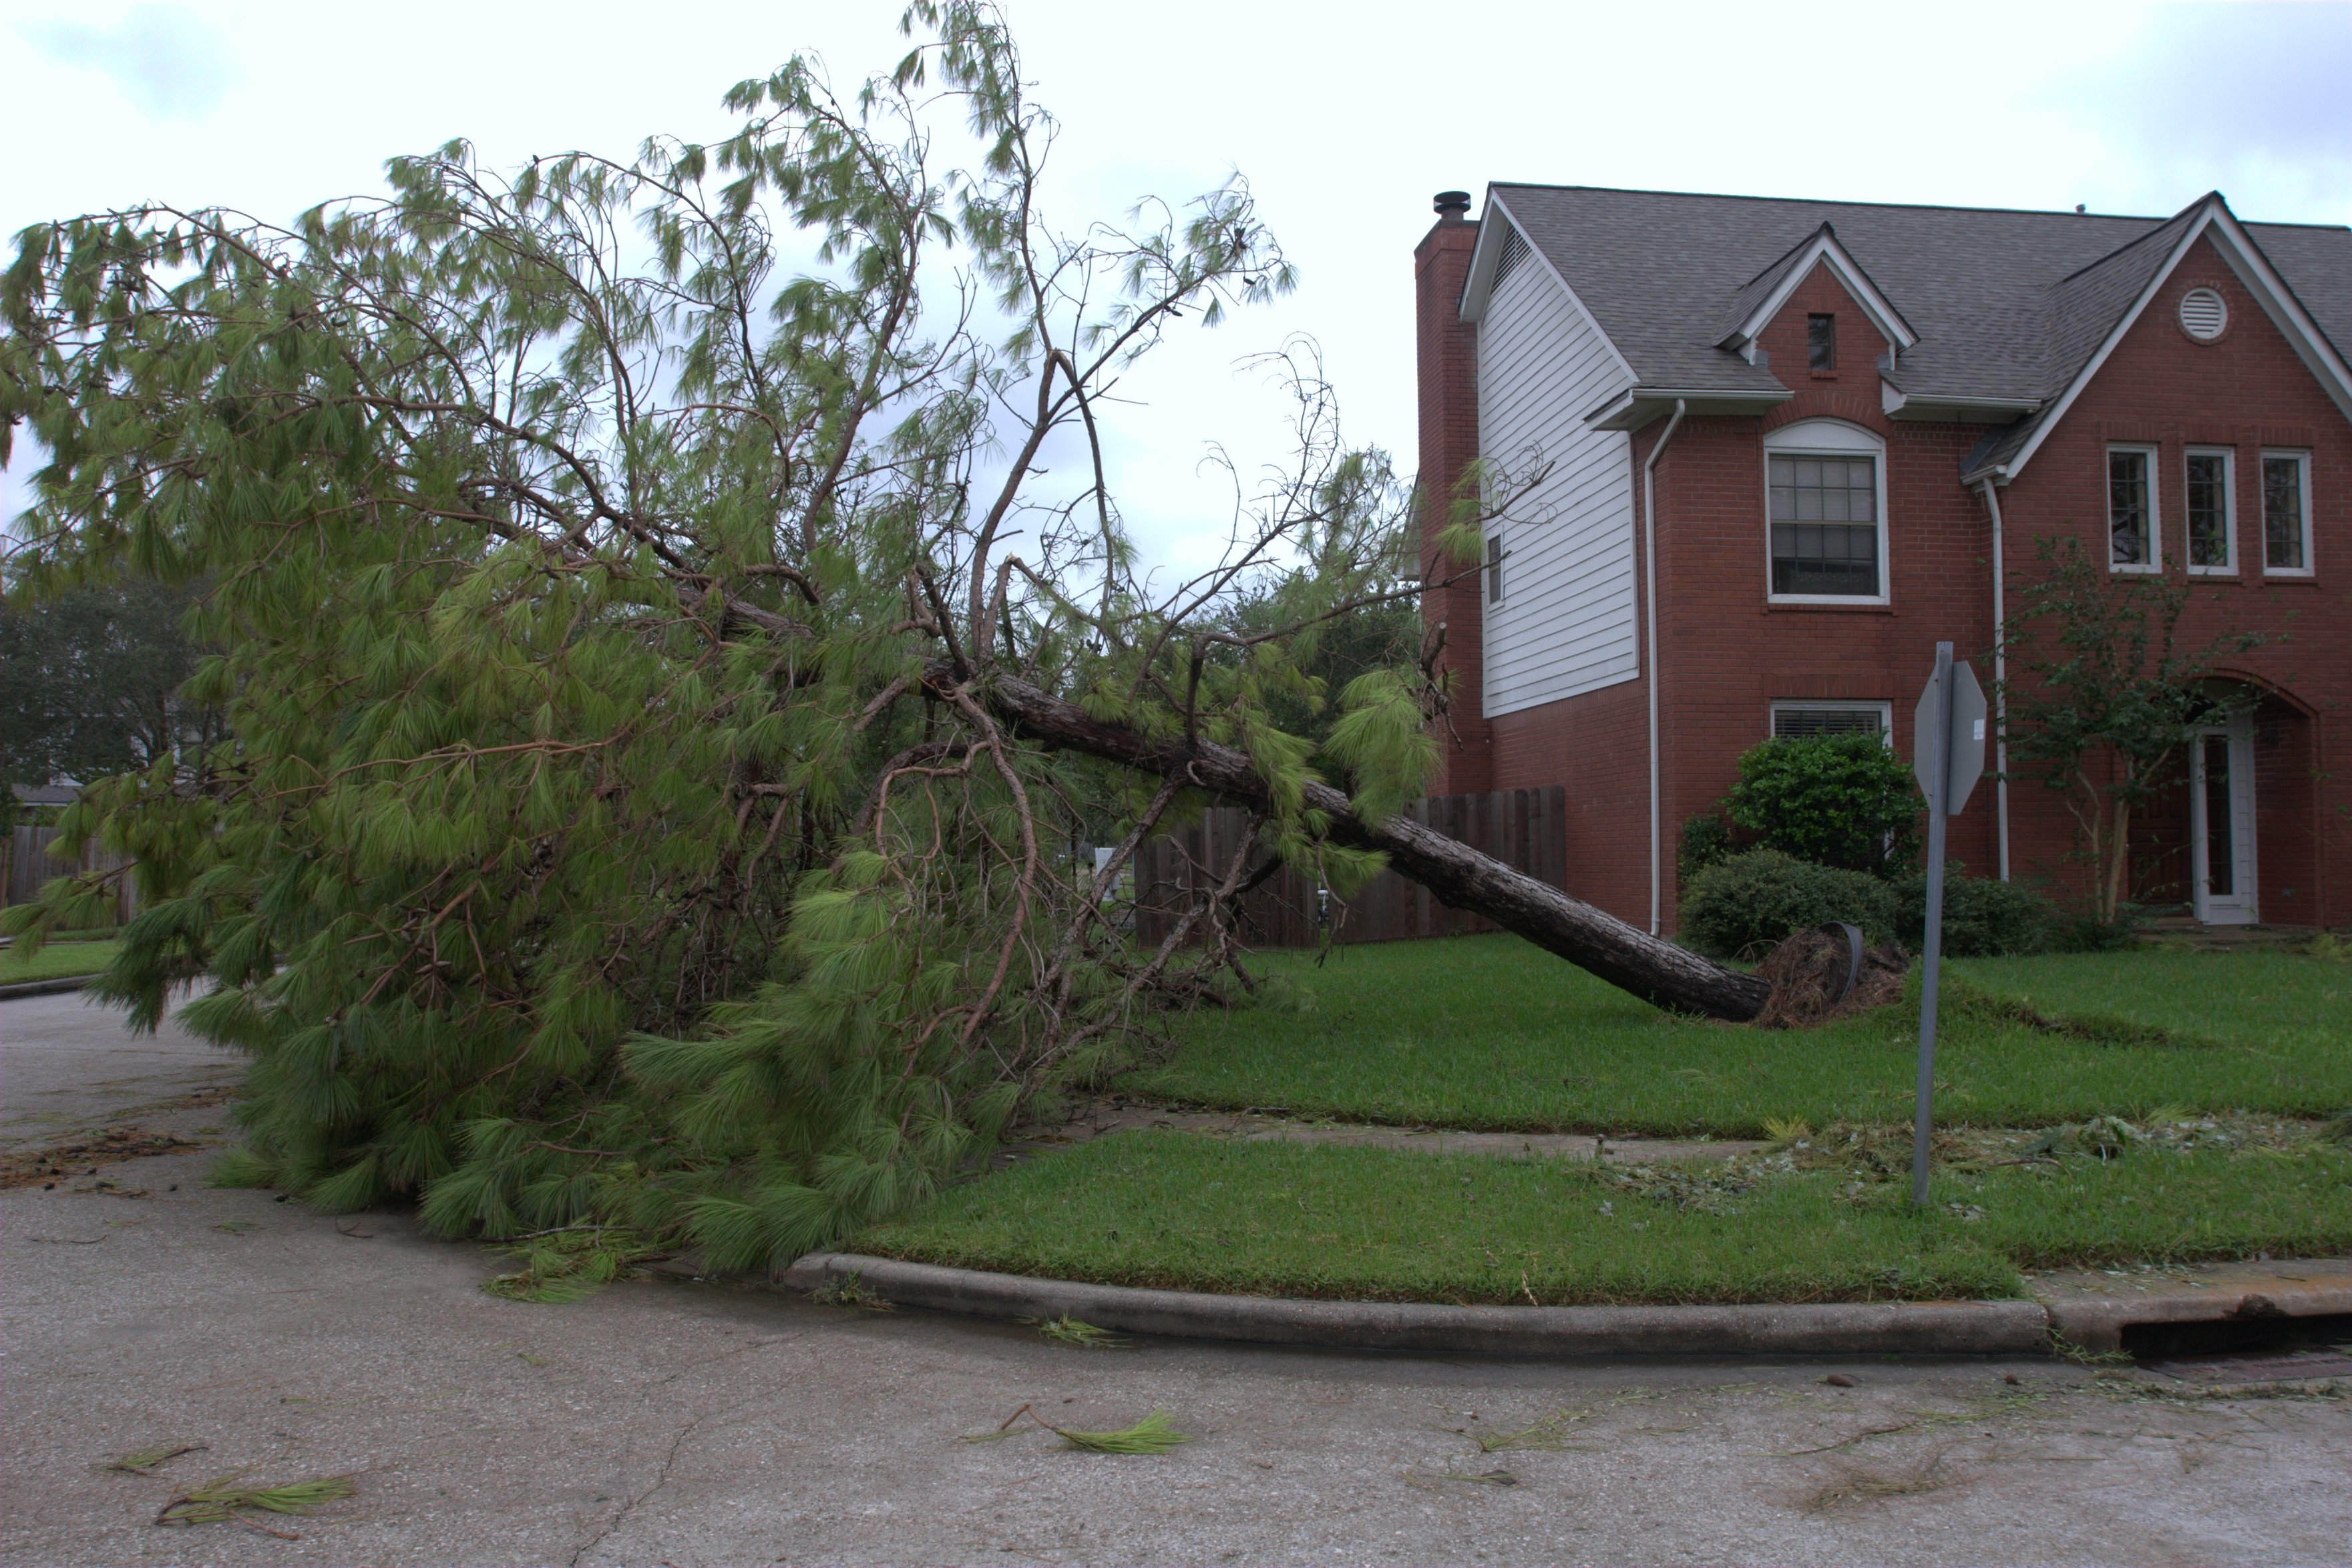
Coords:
1447,353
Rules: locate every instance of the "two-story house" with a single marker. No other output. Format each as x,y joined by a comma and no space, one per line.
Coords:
1763,455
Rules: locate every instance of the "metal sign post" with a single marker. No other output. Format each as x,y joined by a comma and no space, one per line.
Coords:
1947,757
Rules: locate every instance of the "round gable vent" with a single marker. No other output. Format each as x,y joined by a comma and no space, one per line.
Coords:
2203,314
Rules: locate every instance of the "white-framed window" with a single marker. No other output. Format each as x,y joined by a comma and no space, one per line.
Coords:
1494,558
2211,499
1825,509
2286,515
2131,509
1799,716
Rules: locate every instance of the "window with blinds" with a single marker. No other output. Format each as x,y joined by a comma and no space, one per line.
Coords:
1789,722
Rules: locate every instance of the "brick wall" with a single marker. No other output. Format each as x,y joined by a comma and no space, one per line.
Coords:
2245,391
1597,746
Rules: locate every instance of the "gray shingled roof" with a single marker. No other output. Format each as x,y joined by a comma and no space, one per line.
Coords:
2006,304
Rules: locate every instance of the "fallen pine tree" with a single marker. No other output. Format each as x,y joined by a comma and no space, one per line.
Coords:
635,785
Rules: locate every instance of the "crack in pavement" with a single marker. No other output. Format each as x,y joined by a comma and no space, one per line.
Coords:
661,1479
669,1460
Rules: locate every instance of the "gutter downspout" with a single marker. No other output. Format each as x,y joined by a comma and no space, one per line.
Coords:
2000,687
1650,618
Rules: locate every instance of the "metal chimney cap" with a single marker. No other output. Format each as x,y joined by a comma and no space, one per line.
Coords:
1452,203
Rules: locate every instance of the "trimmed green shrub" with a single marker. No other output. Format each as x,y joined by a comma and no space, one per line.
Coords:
1749,903
1982,917
1707,841
1841,800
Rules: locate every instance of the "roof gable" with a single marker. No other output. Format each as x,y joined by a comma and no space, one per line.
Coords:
1495,229
1762,297
2092,311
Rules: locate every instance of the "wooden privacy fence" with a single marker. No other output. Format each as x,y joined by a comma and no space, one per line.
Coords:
30,865
1526,829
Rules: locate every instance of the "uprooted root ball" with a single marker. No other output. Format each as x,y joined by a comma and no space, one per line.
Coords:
1808,975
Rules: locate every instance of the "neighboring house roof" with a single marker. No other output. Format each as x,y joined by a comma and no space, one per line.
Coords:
2012,311
47,795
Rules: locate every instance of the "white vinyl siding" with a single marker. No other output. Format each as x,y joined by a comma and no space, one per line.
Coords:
1566,624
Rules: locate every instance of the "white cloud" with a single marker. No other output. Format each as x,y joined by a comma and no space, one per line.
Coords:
163,59
2249,99
1344,119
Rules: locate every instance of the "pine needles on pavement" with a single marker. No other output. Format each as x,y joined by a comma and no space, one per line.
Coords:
1859,1486
1155,1433
850,1291
1068,1330
143,1461
571,1263
226,1498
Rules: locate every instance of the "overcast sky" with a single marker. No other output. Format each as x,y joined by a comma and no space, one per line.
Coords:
1345,117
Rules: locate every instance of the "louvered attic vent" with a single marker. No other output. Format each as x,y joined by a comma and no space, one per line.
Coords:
2203,314
1514,250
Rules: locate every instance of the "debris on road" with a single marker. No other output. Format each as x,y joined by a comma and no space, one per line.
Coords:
226,1497
1155,1433
143,1461
1068,1330
27,1167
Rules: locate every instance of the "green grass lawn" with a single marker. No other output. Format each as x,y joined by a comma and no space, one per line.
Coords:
1168,1210
1490,1032
2278,1002
57,961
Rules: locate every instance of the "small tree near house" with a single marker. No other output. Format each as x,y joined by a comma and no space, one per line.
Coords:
2107,696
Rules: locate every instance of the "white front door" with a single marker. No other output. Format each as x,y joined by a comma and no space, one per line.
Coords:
2222,822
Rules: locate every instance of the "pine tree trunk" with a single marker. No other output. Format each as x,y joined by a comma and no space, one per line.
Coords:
1630,959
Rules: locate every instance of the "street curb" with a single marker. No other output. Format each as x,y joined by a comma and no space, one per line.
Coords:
45,987
2307,1288
1944,1328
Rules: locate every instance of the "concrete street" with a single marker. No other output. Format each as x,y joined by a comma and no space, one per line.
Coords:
668,1422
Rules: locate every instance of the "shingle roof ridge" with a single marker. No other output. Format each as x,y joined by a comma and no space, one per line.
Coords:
1788,256
1900,206
2175,221
1850,202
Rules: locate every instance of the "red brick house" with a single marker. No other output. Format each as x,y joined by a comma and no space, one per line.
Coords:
1770,452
